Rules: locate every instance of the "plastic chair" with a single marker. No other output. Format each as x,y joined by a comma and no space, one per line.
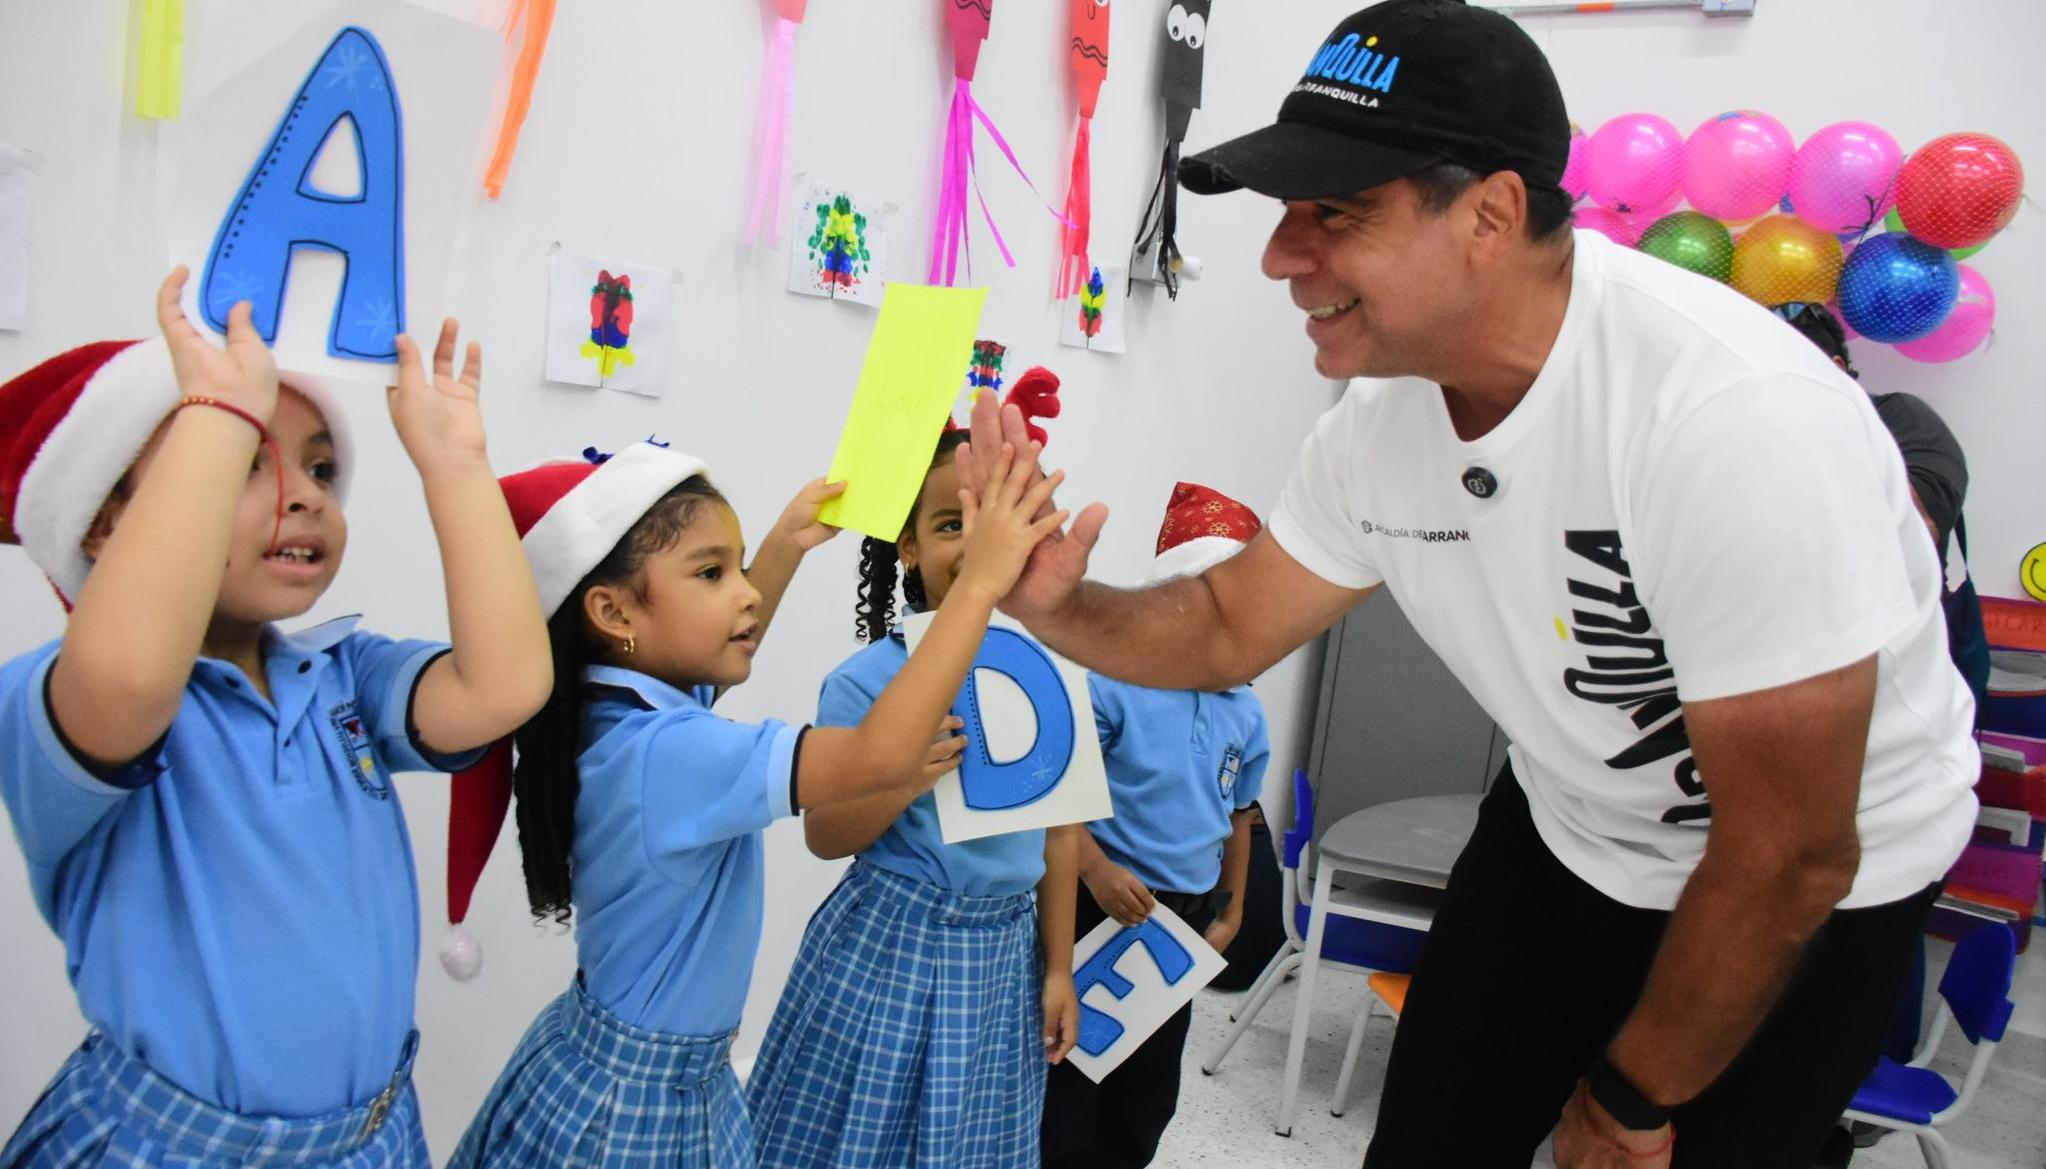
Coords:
1367,943
1387,990
1912,1097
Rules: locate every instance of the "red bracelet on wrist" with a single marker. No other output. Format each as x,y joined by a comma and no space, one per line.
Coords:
262,435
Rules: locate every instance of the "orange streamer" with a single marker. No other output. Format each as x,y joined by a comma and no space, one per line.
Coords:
536,17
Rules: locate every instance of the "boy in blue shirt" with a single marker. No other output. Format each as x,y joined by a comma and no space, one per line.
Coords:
1184,769
204,802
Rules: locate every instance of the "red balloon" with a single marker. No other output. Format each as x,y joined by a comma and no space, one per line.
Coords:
1959,190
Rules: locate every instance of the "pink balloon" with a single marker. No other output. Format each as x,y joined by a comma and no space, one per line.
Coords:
1635,165
1573,171
1623,230
1964,329
1844,179
1737,165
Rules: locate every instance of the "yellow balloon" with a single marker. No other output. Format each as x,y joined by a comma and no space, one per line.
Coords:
1783,259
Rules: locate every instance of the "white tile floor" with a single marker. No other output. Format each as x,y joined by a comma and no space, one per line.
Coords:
1226,1120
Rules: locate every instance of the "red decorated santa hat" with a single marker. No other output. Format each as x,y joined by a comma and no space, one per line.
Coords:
1202,528
72,426
570,514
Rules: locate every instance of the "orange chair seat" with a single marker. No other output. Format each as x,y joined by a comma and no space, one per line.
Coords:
1391,989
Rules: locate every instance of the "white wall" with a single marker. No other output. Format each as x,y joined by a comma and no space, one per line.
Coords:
637,149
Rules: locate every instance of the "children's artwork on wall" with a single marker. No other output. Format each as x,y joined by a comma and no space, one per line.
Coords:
1032,759
1087,57
771,123
303,183
1094,318
609,324
908,382
840,244
986,372
1130,980
1156,255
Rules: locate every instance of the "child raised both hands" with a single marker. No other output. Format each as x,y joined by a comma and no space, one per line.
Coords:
441,419
243,375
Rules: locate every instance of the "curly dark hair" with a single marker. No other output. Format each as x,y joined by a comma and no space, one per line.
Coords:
874,611
546,779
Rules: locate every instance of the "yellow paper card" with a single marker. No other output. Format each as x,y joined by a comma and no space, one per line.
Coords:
915,367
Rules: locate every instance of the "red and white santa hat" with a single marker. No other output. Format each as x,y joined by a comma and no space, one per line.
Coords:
1202,528
72,426
570,514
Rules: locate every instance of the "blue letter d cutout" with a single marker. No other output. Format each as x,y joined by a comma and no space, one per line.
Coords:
989,786
278,210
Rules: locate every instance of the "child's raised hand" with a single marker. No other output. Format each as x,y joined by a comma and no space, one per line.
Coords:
442,418
799,524
243,375
1000,530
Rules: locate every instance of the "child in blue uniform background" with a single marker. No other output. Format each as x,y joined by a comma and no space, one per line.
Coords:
929,993
205,803
640,811
1184,769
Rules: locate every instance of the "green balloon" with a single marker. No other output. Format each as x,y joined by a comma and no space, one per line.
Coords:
1894,221
1693,241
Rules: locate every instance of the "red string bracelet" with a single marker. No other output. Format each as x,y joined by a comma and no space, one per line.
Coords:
263,433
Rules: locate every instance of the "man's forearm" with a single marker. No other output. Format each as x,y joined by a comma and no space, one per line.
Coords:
1168,636
1737,934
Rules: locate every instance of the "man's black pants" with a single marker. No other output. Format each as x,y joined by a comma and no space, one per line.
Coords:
1528,972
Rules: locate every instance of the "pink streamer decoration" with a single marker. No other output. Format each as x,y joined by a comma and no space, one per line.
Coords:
771,134
949,243
1079,217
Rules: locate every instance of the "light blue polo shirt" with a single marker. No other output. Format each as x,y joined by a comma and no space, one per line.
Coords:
239,909
992,866
1179,762
670,883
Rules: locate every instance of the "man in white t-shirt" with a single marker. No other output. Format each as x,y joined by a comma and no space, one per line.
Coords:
1671,550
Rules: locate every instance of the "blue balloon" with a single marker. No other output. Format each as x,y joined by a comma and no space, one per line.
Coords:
1895,288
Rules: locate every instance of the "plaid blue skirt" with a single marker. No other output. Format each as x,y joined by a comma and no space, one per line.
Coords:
107,1109
586,1089
911,1034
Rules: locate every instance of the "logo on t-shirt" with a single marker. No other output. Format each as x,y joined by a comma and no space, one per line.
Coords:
1424,535
355,748
1232,762
1625,667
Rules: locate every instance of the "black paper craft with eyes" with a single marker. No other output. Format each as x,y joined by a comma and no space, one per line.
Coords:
1186,38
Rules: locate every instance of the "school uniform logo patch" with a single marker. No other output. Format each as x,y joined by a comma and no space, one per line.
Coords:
1232,762
353,737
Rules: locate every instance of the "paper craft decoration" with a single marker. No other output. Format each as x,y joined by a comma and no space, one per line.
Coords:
1032,759
1130,980
294,178
986,371
16,168
1094,318
1186,39
1089,60
841,245
771,123
160,83
609,324
966,22
536,19
907,384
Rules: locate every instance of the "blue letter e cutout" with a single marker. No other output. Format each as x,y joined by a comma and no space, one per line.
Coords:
1098,1029
989,786
279,211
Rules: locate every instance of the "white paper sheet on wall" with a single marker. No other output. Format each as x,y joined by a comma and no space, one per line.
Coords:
17,171
1033,756
609,324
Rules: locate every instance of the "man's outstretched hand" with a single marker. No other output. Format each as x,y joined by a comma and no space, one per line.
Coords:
1057,566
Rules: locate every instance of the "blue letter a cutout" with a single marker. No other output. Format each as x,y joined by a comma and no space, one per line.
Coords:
989,786
279,211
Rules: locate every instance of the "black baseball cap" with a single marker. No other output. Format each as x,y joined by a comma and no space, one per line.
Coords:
1397,88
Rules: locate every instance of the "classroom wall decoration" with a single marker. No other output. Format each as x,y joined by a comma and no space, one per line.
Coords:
295,168
967,23
1032,759
1130,980
1848,218
1088,60
771,123
986,372
1184,56
531,21
840,244
1094,319
609,324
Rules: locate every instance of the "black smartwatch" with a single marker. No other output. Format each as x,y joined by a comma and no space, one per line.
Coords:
1626,1104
